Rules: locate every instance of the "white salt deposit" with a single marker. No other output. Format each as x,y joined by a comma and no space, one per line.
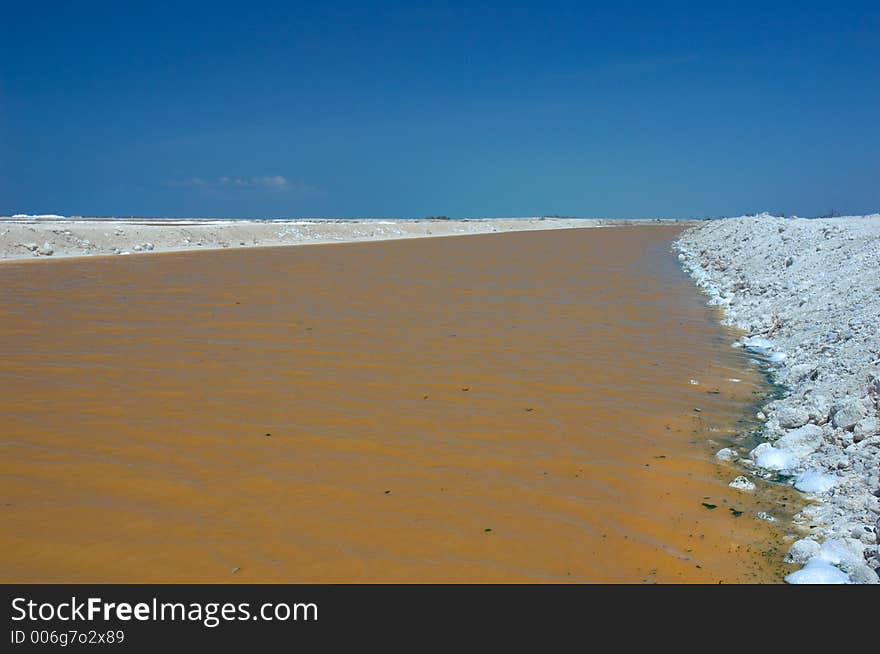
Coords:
81,236
818,572
836,553
771,458
829,566
758,345
812,481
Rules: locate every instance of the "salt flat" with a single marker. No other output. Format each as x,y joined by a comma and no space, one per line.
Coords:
28,237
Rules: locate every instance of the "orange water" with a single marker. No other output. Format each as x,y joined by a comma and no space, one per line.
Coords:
509,407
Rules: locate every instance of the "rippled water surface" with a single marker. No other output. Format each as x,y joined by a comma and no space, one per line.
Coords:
510,407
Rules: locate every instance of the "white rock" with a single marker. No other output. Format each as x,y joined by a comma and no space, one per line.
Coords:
847,414
801,441
802,551
862,574
802,371
742,483
726,454
791,417
819,409
865,428
758,450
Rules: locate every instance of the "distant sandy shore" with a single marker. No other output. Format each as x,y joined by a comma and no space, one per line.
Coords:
29,237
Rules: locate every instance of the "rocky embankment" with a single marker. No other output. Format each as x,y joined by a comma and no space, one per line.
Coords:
807,294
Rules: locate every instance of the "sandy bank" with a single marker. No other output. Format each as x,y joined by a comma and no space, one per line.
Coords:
807,292
28,237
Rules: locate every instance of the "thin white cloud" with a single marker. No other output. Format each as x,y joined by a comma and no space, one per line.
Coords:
189,182
297,186
277,183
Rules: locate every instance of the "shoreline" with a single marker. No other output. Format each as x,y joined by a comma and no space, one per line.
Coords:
806,292
52,237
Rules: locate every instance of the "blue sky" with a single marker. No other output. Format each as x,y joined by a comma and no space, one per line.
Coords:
462,109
